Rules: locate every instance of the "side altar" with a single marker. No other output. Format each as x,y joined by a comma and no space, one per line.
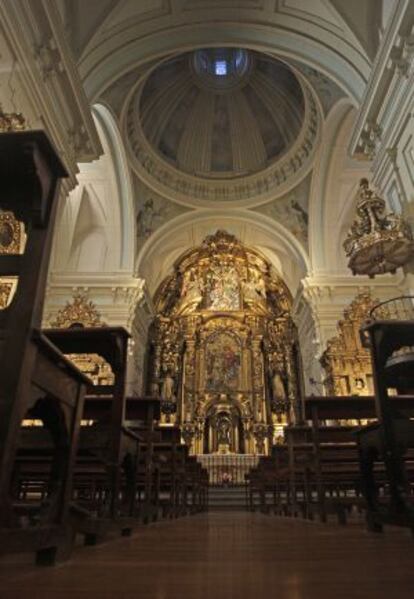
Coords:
223,352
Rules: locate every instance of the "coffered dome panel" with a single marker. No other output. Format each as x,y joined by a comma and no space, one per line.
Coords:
221,112
222,124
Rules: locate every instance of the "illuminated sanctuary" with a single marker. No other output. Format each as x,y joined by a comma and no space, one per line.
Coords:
224,335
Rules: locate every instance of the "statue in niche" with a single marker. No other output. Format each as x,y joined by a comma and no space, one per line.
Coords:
224,432
167,389
278,387
279,396
223,429
146,217
301,213
359,387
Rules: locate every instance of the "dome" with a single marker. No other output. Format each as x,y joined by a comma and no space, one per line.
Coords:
221,112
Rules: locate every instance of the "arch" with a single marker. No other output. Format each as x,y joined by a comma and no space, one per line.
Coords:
335,53
334,181
96,228
123,182
286,254
89,244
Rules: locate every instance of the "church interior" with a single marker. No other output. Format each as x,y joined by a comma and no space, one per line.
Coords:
206,299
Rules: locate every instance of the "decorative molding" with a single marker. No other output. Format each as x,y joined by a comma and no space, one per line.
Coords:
251,190
6,290
11,234
393,63
12,239
48,80
116,297
80,311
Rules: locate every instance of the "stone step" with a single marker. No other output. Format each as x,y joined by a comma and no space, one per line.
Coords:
227,497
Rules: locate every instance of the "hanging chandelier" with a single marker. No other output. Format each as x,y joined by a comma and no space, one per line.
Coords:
377,243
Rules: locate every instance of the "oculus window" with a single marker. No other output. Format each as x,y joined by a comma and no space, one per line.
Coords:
221,68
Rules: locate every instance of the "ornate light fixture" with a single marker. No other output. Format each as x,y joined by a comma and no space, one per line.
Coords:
377,243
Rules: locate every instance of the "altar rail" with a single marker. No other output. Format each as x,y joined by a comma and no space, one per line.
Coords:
227,470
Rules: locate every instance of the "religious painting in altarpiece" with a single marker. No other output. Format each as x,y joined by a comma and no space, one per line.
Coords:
223,329
223,362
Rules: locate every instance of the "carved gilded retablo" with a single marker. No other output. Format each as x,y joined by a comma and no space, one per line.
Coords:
223,330
347,364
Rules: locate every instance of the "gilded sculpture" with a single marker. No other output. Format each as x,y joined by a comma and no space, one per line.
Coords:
347,364
223,327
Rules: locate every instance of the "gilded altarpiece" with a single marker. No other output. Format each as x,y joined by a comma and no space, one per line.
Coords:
222,350
347,364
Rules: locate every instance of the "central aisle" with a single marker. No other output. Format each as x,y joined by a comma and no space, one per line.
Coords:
228,555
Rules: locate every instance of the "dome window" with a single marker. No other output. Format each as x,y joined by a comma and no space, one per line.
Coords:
220,68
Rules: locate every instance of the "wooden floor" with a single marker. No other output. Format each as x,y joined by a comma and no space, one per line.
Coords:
232,555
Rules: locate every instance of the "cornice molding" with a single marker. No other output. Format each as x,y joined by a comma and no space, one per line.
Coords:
253,190
35,35
117,298
391,72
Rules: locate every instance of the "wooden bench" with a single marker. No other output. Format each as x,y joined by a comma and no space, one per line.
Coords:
108,450
318,470
335,479
392,438
36,380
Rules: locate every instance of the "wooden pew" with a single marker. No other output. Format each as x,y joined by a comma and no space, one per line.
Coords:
36,379
335,477
108,450
183,483
170,457
142,415
317,460
336,481
392,438
269,478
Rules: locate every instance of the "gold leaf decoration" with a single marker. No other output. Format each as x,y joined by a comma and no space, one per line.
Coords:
78,312
346,362
11,121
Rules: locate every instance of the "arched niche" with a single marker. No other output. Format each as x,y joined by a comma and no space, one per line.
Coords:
95,232
286,254
333,192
